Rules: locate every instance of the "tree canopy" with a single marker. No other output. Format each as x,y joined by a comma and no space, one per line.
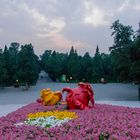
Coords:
21,65
122,64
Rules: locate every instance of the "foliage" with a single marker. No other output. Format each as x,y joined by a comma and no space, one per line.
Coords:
3,71
13,53
18,65
86,67
27,65
121,65
98,70
120,51
72,64
122,35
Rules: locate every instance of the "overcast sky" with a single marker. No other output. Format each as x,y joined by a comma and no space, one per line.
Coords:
59,24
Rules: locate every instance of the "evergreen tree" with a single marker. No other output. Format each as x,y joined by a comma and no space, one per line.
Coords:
7,80
64,61
53,66
45,57
3,71
27,65
107,67
98,71
13,53
73,64
134,72
86,66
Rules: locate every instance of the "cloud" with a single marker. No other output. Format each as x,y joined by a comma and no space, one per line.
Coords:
39,18
62,41
95,15
57,25
136,5
51,27
128,4
124,5
1,31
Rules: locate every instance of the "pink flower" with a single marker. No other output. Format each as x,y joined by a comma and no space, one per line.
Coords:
119,122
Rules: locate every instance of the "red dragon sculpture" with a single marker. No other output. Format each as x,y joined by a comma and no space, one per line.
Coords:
79,97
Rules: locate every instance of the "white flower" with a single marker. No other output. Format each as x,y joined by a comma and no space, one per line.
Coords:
50,121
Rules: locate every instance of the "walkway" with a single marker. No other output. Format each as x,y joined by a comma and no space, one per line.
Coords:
117,94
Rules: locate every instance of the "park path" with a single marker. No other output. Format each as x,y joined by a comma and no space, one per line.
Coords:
11,95
110,91
43,77
116,94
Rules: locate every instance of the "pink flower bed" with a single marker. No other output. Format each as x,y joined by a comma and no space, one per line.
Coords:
116,123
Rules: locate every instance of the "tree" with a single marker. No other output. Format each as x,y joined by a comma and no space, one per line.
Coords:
64,61
54,63
7,80
122,36
107,67
120,50
13,53
3,71
28,68
45,57
134,72
98,71
53,66
72,64
86,68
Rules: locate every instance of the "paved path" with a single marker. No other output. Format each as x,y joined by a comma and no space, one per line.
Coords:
115,94
118,92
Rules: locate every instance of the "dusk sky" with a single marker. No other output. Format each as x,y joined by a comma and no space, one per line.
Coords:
60,24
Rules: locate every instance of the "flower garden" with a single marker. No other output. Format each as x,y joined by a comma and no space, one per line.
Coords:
38,122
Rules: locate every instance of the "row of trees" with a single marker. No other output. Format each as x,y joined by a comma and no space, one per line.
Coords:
18,64
75,67
121,65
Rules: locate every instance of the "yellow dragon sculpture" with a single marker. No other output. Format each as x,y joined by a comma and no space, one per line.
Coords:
48,97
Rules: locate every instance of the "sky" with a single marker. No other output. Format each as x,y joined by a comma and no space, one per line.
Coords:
60,24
